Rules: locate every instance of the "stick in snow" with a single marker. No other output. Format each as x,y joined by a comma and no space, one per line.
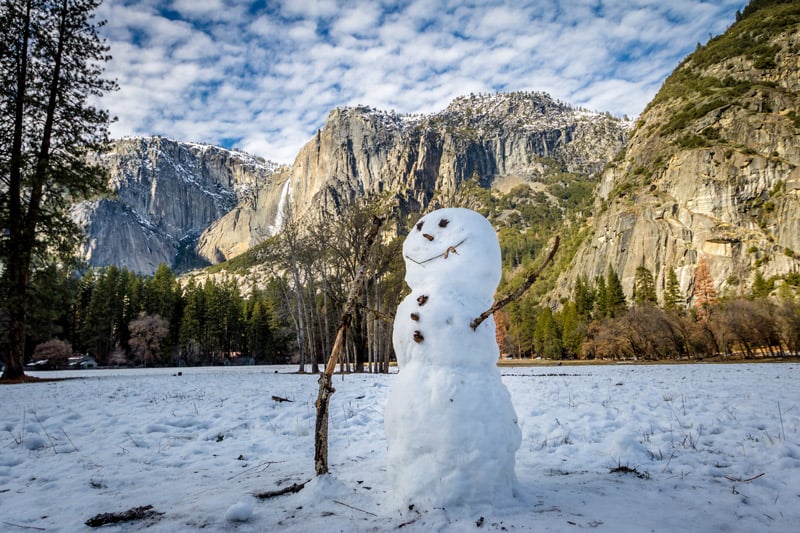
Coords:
325,388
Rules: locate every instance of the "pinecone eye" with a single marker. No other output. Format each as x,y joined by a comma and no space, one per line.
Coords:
443,223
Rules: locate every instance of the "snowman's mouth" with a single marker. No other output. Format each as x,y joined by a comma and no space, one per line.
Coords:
443,255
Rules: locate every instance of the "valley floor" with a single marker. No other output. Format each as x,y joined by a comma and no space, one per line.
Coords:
697,447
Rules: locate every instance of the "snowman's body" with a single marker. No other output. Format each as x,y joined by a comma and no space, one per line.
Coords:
450,425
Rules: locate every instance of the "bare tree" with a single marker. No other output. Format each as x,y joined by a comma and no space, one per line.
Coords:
55,351
789,325
704,293
147,337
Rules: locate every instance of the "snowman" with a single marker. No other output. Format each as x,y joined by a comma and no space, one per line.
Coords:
450,426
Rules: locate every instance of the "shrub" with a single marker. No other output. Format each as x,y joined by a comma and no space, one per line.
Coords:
55,351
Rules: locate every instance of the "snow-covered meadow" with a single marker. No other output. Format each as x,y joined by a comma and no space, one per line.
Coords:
616,448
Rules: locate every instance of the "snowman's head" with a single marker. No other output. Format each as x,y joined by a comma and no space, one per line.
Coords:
453,247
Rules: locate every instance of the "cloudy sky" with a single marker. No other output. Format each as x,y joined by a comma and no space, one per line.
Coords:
262,76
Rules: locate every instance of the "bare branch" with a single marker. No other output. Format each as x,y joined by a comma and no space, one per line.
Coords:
505,300
325,388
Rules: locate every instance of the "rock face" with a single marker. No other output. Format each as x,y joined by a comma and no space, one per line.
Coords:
165,193
712,168
499,140
173,198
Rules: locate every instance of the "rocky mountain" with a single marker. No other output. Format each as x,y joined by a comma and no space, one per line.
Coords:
176,200
713,166
164,195
499,140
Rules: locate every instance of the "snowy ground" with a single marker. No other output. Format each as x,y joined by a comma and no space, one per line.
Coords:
696,448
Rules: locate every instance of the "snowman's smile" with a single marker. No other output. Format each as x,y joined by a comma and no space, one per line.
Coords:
443,255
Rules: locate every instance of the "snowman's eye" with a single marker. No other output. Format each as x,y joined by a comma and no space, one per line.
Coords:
443,223
419,225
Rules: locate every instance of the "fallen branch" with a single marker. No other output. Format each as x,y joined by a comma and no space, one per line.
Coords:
740,480
136,513
291,489
354,508
280,399
22,526
262,466
505,300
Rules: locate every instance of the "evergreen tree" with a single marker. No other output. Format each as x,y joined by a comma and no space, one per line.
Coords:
162,297
571,329
761,287
644,288
51,62
672,291
584,297
546,336
615,296
522,323
52,297
192,330
103,315
601,298
259,335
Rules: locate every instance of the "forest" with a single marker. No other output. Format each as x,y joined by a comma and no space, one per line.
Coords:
280,302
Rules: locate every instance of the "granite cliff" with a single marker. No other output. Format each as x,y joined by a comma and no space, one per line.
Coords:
499,140
712,168
164,194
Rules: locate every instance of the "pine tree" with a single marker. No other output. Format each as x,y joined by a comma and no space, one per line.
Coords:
644,288
51,62
259,334
672,291
615,298
192,330
571,329
546,336
601,298
583,296
761,286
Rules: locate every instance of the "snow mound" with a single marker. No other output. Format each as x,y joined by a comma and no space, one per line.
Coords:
239,512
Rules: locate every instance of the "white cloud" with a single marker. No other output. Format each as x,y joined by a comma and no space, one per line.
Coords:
268,74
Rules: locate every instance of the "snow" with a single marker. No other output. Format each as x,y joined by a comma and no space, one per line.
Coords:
706,447
239,512
451,428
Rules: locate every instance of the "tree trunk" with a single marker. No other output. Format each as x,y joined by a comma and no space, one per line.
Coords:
22,230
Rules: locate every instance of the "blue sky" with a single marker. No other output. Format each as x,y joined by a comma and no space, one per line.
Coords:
262,76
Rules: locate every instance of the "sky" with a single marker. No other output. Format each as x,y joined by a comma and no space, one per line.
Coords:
262,76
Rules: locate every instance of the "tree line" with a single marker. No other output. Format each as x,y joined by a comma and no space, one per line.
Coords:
298,280
599,322
122,318
288,313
